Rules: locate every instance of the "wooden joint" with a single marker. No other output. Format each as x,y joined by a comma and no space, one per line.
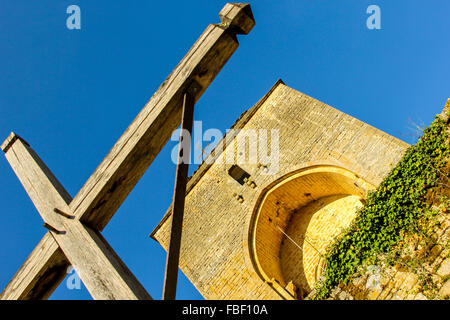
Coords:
62,213
194,88
10,141
53,229
238,17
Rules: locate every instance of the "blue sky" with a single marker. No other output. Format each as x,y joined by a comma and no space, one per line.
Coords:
72,93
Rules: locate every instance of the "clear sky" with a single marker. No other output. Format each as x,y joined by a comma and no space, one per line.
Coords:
72,93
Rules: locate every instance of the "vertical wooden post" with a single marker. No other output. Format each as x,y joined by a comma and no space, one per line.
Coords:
173,254
97,201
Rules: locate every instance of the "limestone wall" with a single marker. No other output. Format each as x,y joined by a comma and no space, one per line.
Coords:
418,267
420,270
313,228
218,243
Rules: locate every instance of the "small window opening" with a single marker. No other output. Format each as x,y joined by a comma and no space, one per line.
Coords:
238,174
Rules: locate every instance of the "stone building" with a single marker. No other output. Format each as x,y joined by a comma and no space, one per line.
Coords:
265,235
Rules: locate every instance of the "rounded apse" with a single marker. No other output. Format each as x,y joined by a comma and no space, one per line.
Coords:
294,221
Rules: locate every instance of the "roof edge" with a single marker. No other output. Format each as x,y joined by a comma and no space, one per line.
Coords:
207,163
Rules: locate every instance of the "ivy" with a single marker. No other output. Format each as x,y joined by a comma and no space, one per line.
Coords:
390,211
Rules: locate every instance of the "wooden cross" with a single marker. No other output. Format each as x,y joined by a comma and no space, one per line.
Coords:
74,225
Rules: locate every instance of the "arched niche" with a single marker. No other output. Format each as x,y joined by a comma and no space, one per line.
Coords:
294,221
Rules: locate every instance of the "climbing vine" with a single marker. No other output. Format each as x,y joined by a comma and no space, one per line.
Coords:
391,210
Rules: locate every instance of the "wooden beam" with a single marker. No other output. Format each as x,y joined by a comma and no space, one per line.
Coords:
43,270
40,274
116,176
101,270
179,195
136,149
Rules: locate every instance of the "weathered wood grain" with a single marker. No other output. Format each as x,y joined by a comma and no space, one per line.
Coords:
130,157
40,274
116,176
101,270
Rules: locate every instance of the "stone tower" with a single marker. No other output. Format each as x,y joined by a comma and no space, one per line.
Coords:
253,231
